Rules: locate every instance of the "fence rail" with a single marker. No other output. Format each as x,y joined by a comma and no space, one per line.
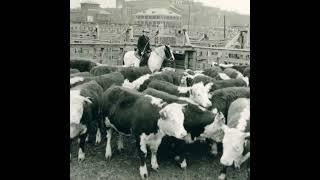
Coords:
194,57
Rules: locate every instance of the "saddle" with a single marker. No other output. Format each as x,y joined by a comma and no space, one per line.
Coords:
143,59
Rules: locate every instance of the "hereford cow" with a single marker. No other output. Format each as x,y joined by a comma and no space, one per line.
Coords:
105,81
130,73
72,71
232,73
84,113
80,74
222,98
142,82
236,150
199,123
82,65
197,93
145,117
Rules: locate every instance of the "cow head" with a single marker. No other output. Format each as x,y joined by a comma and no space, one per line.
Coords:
246,79
186,80
77,103
199,94
127,84
214,131
172,119
233,146
77,129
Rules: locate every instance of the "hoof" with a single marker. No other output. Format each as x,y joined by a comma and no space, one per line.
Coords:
144,176
81,158
183,165
222,177
177,158
81,155
143,172
155,167
98,141
108,156
121,151
214,153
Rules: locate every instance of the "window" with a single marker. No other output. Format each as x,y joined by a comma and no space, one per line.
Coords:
90,18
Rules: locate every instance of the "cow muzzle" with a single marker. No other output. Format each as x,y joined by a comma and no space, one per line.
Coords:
226,162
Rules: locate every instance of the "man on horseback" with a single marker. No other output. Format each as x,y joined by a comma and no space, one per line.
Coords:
144,49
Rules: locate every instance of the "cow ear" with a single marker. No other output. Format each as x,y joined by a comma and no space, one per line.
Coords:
214,111
246,135
88,99
163,115
184,107
190,91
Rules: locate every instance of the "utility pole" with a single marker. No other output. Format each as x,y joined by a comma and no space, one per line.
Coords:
224,26
189,16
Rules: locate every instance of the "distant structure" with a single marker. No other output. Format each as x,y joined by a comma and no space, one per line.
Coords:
89,12
155,16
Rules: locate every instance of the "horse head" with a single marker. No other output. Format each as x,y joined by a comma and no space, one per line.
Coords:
169,55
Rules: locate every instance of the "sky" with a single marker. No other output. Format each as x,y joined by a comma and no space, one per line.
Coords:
240,6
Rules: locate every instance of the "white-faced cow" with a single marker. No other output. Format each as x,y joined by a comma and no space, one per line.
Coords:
146,118
222,98
192,79
84,113
105,81
72,71
197,93
236,134
199,123
142,82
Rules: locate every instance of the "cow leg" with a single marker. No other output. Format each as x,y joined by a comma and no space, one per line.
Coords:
108,153
214,148
81,154
120,143
154,149
98,136
223,173
142,150
70,148
219,147
180,153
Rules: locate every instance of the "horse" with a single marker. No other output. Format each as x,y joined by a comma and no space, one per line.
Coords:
157,57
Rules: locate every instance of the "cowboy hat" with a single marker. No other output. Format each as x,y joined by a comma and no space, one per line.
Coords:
146,30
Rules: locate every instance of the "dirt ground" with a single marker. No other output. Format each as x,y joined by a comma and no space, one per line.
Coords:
125,165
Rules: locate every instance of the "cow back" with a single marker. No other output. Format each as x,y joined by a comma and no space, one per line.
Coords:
82,65
101,70
222,98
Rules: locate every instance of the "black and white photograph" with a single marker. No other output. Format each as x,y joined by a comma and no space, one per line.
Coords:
160,89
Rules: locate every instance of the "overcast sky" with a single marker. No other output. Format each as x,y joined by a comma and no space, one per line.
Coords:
240,6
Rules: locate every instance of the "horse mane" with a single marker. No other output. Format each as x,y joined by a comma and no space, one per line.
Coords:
160,51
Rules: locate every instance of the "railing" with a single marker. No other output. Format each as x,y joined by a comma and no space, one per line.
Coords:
194,57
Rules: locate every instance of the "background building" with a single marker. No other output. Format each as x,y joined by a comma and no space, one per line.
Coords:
156,16
89,12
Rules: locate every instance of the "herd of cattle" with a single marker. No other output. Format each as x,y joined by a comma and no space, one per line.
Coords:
212,105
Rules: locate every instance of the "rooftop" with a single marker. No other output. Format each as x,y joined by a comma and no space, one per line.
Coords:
158,11
88,2
101,11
